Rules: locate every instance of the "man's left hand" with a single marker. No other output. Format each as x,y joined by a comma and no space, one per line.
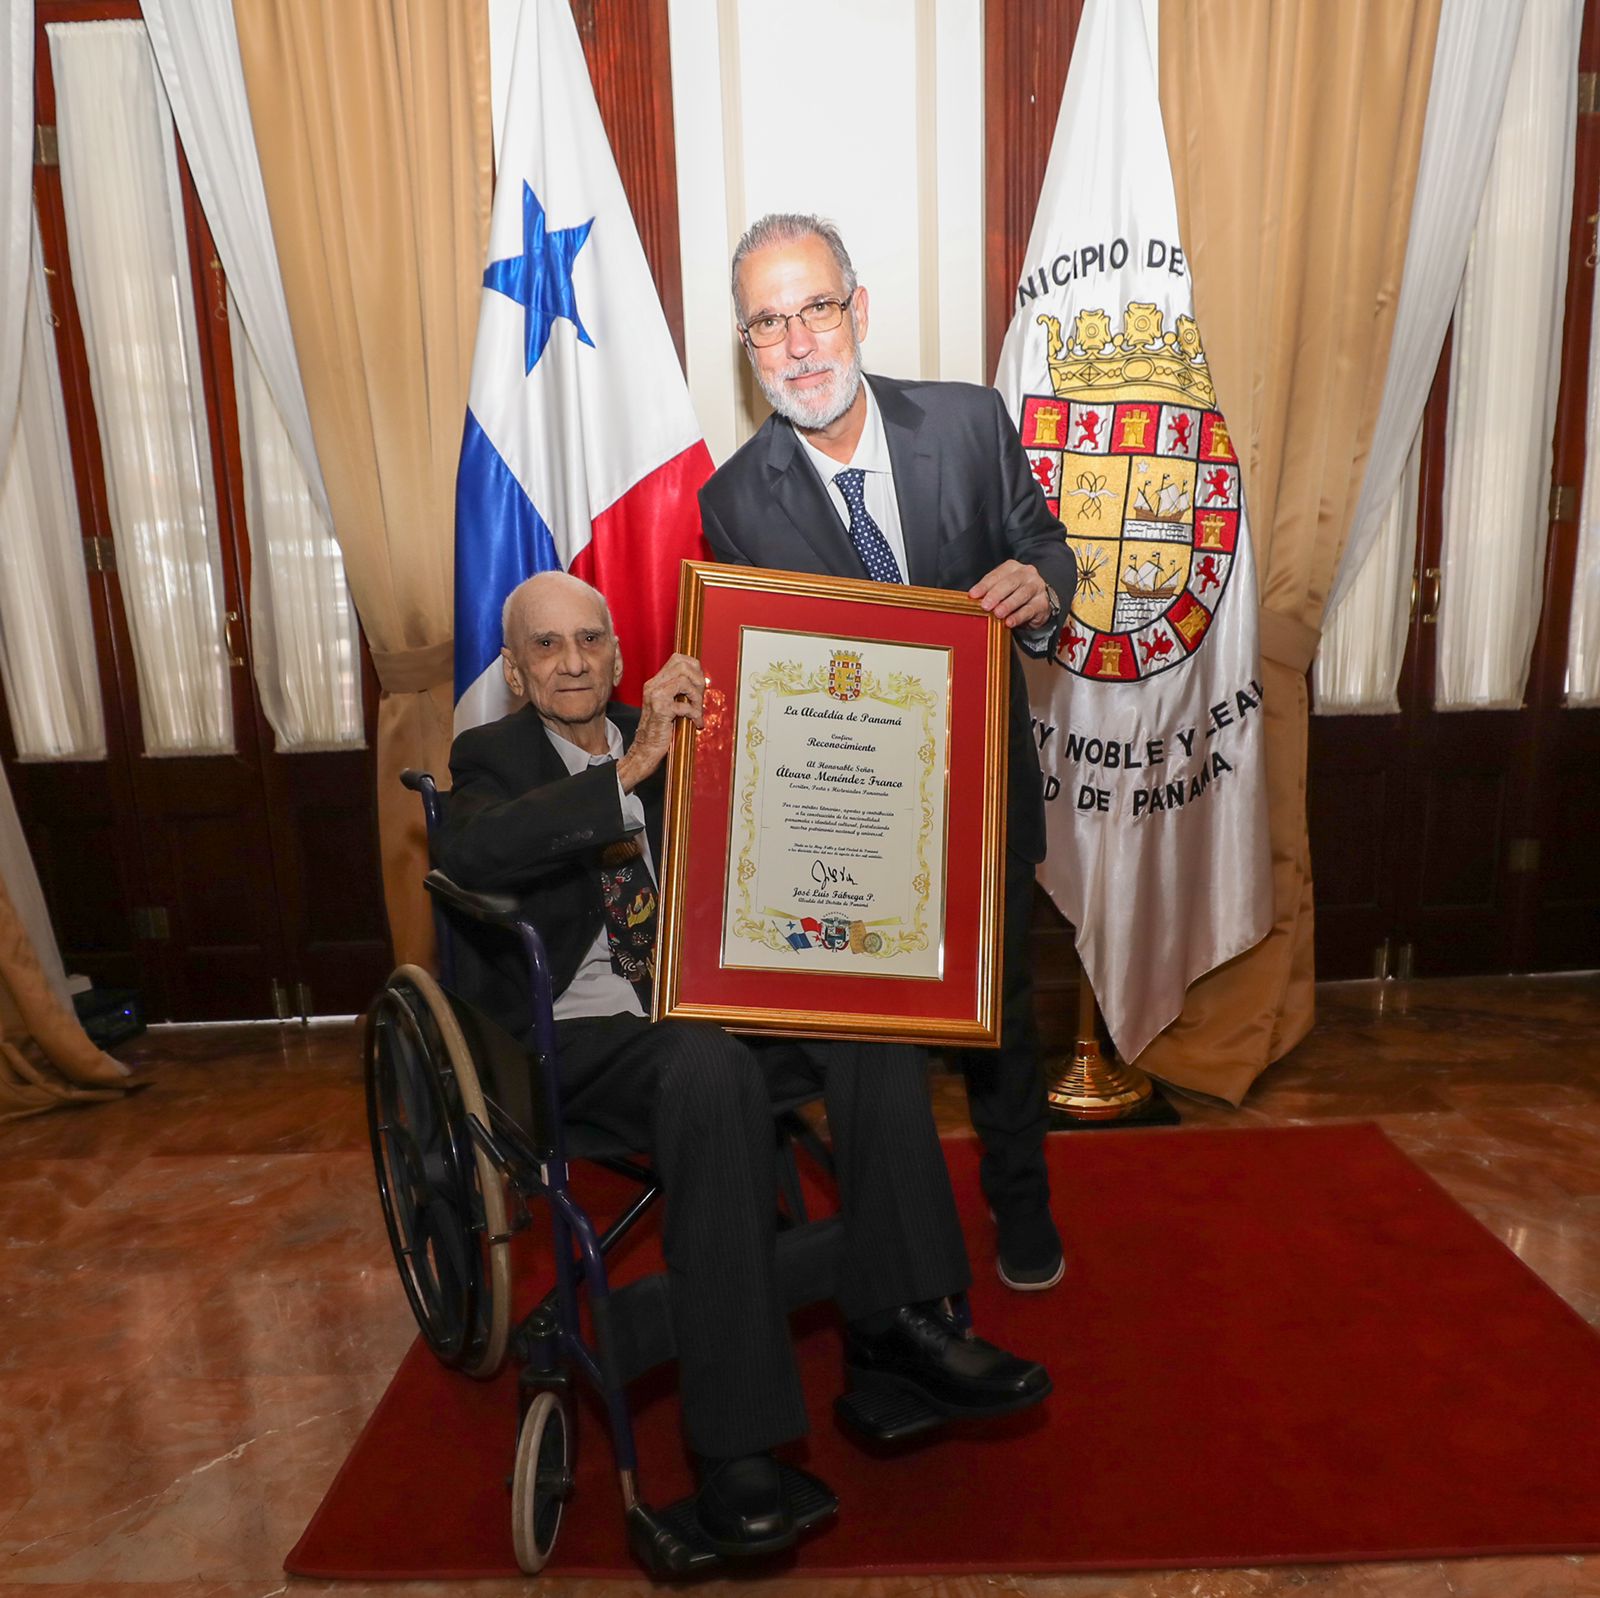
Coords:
1017,594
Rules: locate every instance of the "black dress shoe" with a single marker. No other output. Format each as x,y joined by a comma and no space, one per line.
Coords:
741,1506
923,1352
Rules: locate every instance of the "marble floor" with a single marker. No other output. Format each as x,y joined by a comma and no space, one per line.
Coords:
199,1310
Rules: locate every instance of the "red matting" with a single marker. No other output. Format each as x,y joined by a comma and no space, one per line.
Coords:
1271,1346
702,977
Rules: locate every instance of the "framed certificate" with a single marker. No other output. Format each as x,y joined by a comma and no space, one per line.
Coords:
835,832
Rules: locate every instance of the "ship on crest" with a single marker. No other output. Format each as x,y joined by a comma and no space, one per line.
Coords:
1173,502
1149,581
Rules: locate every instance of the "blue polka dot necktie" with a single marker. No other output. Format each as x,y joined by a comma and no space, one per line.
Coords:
865,533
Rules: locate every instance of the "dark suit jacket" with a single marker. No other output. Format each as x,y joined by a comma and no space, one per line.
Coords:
516,821
967,502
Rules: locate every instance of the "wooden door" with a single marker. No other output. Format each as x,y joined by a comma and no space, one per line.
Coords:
318,810
1408,813
1460,842
221,886
1461,781
1555,865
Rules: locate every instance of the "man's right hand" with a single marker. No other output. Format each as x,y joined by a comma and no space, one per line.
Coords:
677,691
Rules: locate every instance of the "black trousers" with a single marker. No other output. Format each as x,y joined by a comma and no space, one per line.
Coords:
1005,1086
700,1102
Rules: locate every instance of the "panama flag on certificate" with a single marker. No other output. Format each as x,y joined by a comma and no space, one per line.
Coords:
581,451
1149,715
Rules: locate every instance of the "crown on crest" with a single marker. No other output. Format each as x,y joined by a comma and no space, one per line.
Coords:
1140,362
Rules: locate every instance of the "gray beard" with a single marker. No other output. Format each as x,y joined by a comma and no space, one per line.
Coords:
811,411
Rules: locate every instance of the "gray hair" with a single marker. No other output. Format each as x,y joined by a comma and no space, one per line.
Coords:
544,578
789,227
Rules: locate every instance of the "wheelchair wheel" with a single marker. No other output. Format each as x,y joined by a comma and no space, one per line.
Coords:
443,1200
541,1481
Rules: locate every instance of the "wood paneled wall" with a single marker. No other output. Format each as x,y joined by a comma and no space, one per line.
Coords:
630,62
1027,45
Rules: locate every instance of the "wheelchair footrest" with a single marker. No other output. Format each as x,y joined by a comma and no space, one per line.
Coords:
887,1414
668,1542
810,1501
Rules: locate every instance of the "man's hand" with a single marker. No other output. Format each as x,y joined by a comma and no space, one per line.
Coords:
1017,594
678,690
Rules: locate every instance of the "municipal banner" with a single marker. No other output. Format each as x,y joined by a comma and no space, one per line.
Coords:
581,450
1149,716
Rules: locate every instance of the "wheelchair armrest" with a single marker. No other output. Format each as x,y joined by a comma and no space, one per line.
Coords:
502,910
498,909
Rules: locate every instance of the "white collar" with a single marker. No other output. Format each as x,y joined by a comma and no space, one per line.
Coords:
872,448
576,759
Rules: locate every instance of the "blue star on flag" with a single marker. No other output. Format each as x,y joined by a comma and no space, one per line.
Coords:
540,279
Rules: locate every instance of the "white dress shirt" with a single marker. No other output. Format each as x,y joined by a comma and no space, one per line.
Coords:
598,988
871,457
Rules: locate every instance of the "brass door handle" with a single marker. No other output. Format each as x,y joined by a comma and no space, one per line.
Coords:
1430,614
230,620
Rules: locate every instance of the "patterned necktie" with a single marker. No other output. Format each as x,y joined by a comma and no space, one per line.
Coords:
865,533
630,901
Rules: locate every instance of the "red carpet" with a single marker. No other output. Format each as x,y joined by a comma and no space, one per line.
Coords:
1270,1346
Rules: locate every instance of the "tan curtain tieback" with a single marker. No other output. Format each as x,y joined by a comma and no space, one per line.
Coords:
1288,642
414,671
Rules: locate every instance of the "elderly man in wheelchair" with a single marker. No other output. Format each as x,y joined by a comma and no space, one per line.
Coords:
559,805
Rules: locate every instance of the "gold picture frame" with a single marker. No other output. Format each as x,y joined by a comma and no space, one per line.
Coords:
908,694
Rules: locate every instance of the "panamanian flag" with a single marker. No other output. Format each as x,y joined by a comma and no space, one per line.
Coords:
581,450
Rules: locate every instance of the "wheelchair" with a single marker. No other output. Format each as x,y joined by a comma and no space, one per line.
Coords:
467,1141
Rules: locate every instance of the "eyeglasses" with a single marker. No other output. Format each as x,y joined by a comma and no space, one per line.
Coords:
820,316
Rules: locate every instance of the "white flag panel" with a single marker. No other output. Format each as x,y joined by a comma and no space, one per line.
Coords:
1149,717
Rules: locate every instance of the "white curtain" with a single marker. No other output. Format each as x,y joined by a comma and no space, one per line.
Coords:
130,266
1504,373
47,653
46,636
20,323
307,650
1357,669
1583,637
16,177
197,52
1471,65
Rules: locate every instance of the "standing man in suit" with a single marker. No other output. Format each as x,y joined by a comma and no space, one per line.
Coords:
923,483
561,803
